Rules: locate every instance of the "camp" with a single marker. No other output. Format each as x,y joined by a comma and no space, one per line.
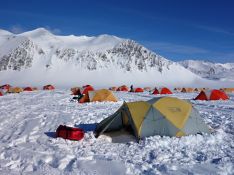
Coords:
48,87
138,90
15,90
102,95
164,116
212,95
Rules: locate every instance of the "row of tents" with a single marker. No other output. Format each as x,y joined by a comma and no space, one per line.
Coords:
89,94
10,89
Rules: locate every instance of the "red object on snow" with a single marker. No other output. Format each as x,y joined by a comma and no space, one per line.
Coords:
6,86
48,87
70,133
139,90
28,89
1,94
123,88
212,95
165,91
156,91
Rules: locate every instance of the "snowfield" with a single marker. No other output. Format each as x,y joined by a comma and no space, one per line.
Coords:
28,146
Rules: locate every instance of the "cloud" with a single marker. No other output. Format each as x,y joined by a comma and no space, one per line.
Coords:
53,30
17,29
215,30
175,48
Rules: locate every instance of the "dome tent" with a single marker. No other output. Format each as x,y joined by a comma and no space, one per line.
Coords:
102,95
164,116
212,95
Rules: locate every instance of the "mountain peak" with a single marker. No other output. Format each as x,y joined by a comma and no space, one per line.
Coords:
37,32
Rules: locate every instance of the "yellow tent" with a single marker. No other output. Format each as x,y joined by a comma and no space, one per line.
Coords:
102,95
15,90
165,116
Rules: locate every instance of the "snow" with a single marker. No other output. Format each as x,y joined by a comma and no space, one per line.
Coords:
210,70
46,40
28,146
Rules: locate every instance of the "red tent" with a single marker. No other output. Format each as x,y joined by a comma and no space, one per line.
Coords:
165,91
139,90
6,86
1,94
123,88
28,89
212,95
156,91
48,87
85,92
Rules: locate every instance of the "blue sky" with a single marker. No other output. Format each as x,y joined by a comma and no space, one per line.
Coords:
176,29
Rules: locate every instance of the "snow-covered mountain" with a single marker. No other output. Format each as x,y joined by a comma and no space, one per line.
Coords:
38,57
210,70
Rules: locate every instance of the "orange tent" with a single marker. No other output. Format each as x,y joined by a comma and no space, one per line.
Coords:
165,91
212,95
85,92
123,88
139,90
28,89
48,87
187,90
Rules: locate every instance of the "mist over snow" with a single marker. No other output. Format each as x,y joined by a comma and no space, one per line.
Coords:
39,57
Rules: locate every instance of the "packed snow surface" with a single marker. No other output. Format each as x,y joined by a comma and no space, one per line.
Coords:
28,146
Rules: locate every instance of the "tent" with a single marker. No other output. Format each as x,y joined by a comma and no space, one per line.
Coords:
165,91
156,91
113,88
75,90
147,89
1,94
102,95
177,89
164,116
212,95
187,90
28,89
15,90
123,88
85,91
228,90
6,86
139,90
48,87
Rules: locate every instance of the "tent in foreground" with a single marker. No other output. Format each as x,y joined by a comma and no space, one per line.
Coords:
102,95
212,95
164,116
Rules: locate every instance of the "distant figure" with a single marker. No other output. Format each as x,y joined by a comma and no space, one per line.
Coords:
131,88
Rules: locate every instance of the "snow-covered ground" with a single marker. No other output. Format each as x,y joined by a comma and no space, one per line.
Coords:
27,143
